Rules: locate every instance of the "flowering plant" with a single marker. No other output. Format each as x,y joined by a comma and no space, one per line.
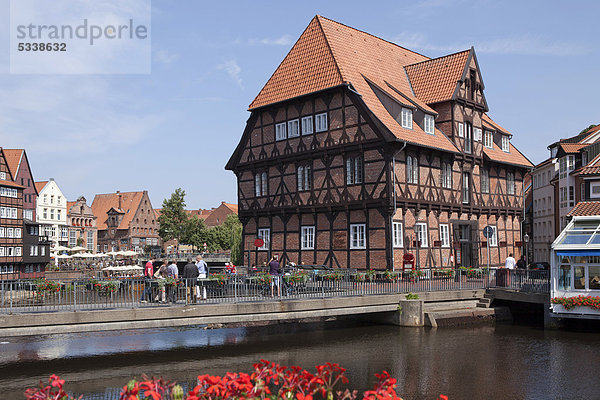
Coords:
53,390
332,276
580,301
391,276
296,277
263,278
44,286
443,272
219,278
416,273
170,281
104,287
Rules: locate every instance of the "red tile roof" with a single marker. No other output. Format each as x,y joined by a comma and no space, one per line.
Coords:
592,168
514,157
130,202
572,148
40,185
487,120
435,80
11,184
585,208
13,160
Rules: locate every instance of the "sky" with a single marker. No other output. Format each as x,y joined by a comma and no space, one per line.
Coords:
177,126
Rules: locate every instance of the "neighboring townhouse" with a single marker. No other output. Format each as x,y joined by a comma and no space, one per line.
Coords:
51,212
358,151
218,215
543,221
18,162
125,221
82,225
11,222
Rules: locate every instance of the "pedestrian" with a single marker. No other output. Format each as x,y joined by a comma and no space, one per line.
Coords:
521,262
202,273
190,277
161,274
274,267
173,272
509,264
148,274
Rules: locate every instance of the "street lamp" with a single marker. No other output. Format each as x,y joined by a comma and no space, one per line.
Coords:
526,240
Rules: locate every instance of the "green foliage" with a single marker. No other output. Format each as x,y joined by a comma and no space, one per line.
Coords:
173,217
412,296
587,129
80,241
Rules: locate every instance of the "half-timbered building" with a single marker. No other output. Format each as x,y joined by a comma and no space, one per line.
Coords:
358,151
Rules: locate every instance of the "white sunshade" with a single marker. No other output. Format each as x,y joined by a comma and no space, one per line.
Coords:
61,248
77,248
62,256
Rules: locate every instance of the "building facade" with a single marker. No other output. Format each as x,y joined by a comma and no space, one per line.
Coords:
125,221
352,158
18,163
36,251
11,223
544,227
51,212
82,225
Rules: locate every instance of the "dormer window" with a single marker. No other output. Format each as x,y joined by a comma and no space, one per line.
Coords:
407,118
505,145
429,124
488,139
280,131
293,127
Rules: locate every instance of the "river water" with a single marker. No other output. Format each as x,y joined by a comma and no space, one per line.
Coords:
483,362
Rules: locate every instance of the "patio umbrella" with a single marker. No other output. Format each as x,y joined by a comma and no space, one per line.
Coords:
129,253
61,248
63,256
100,255
77,248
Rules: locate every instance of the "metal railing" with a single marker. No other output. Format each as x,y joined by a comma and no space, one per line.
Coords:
48,296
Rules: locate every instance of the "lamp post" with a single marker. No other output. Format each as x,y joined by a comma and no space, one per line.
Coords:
526,240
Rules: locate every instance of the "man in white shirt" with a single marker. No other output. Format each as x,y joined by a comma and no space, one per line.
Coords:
510,262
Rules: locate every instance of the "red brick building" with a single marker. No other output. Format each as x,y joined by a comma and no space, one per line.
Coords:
125,221
18,163
358,150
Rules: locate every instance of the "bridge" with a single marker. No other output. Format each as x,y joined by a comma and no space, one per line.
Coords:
25,309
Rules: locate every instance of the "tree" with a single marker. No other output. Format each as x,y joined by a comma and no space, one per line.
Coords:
587,129
228,236
173,217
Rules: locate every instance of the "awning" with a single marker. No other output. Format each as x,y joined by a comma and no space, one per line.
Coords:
575,253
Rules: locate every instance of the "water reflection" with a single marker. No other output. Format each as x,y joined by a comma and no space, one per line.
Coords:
469,363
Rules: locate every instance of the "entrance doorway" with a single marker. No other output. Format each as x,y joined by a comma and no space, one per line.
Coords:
464,235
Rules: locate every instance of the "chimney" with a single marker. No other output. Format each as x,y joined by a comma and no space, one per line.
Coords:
119,194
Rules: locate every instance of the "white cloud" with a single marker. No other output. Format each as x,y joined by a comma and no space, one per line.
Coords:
232,69
523,44
284,40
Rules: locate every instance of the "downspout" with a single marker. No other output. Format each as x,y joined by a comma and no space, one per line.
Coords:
395,204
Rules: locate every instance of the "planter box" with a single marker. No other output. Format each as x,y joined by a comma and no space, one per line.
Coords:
559,308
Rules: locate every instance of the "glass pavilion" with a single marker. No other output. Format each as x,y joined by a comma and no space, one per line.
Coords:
575,265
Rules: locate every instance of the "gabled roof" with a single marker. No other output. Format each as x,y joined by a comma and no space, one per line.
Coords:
13,160
11,184
330,54
435,80
489,123
232,207
40,185
514,157
592,168
130,202
571,148
585,208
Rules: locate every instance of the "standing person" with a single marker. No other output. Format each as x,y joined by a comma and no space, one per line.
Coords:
148,274
509,264
173,272
202,273
274,272
521,262
161,274
190,277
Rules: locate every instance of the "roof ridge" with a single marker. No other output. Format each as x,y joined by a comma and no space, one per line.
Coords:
437,58
370,34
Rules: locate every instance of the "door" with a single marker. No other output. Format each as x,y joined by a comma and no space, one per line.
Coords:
465,245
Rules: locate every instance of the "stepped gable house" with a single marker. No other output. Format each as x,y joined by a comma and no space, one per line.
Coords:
18,163
11,222
82,225
358,150
125,221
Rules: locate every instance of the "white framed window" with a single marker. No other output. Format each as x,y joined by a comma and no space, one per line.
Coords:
308,238
570,162
52,213
445,235
28,214
10,233
477,135
2,232
505,145
354,170
260,184
446,175
265,235
488,139
494,238
105,248
303,175
468,138
45,213
280,131
3,212
18,233
72,238
13,213
397,235
461,129
510,183
421,233
412,169
307,125
3,176
10,251
407,118
485,181
31,250
466,188
2,251
429,124
594,191
321,122
51,199
59,200
42,251
293,128
90,241
357,236
58,214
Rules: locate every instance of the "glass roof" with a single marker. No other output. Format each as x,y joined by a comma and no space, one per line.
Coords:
582,233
